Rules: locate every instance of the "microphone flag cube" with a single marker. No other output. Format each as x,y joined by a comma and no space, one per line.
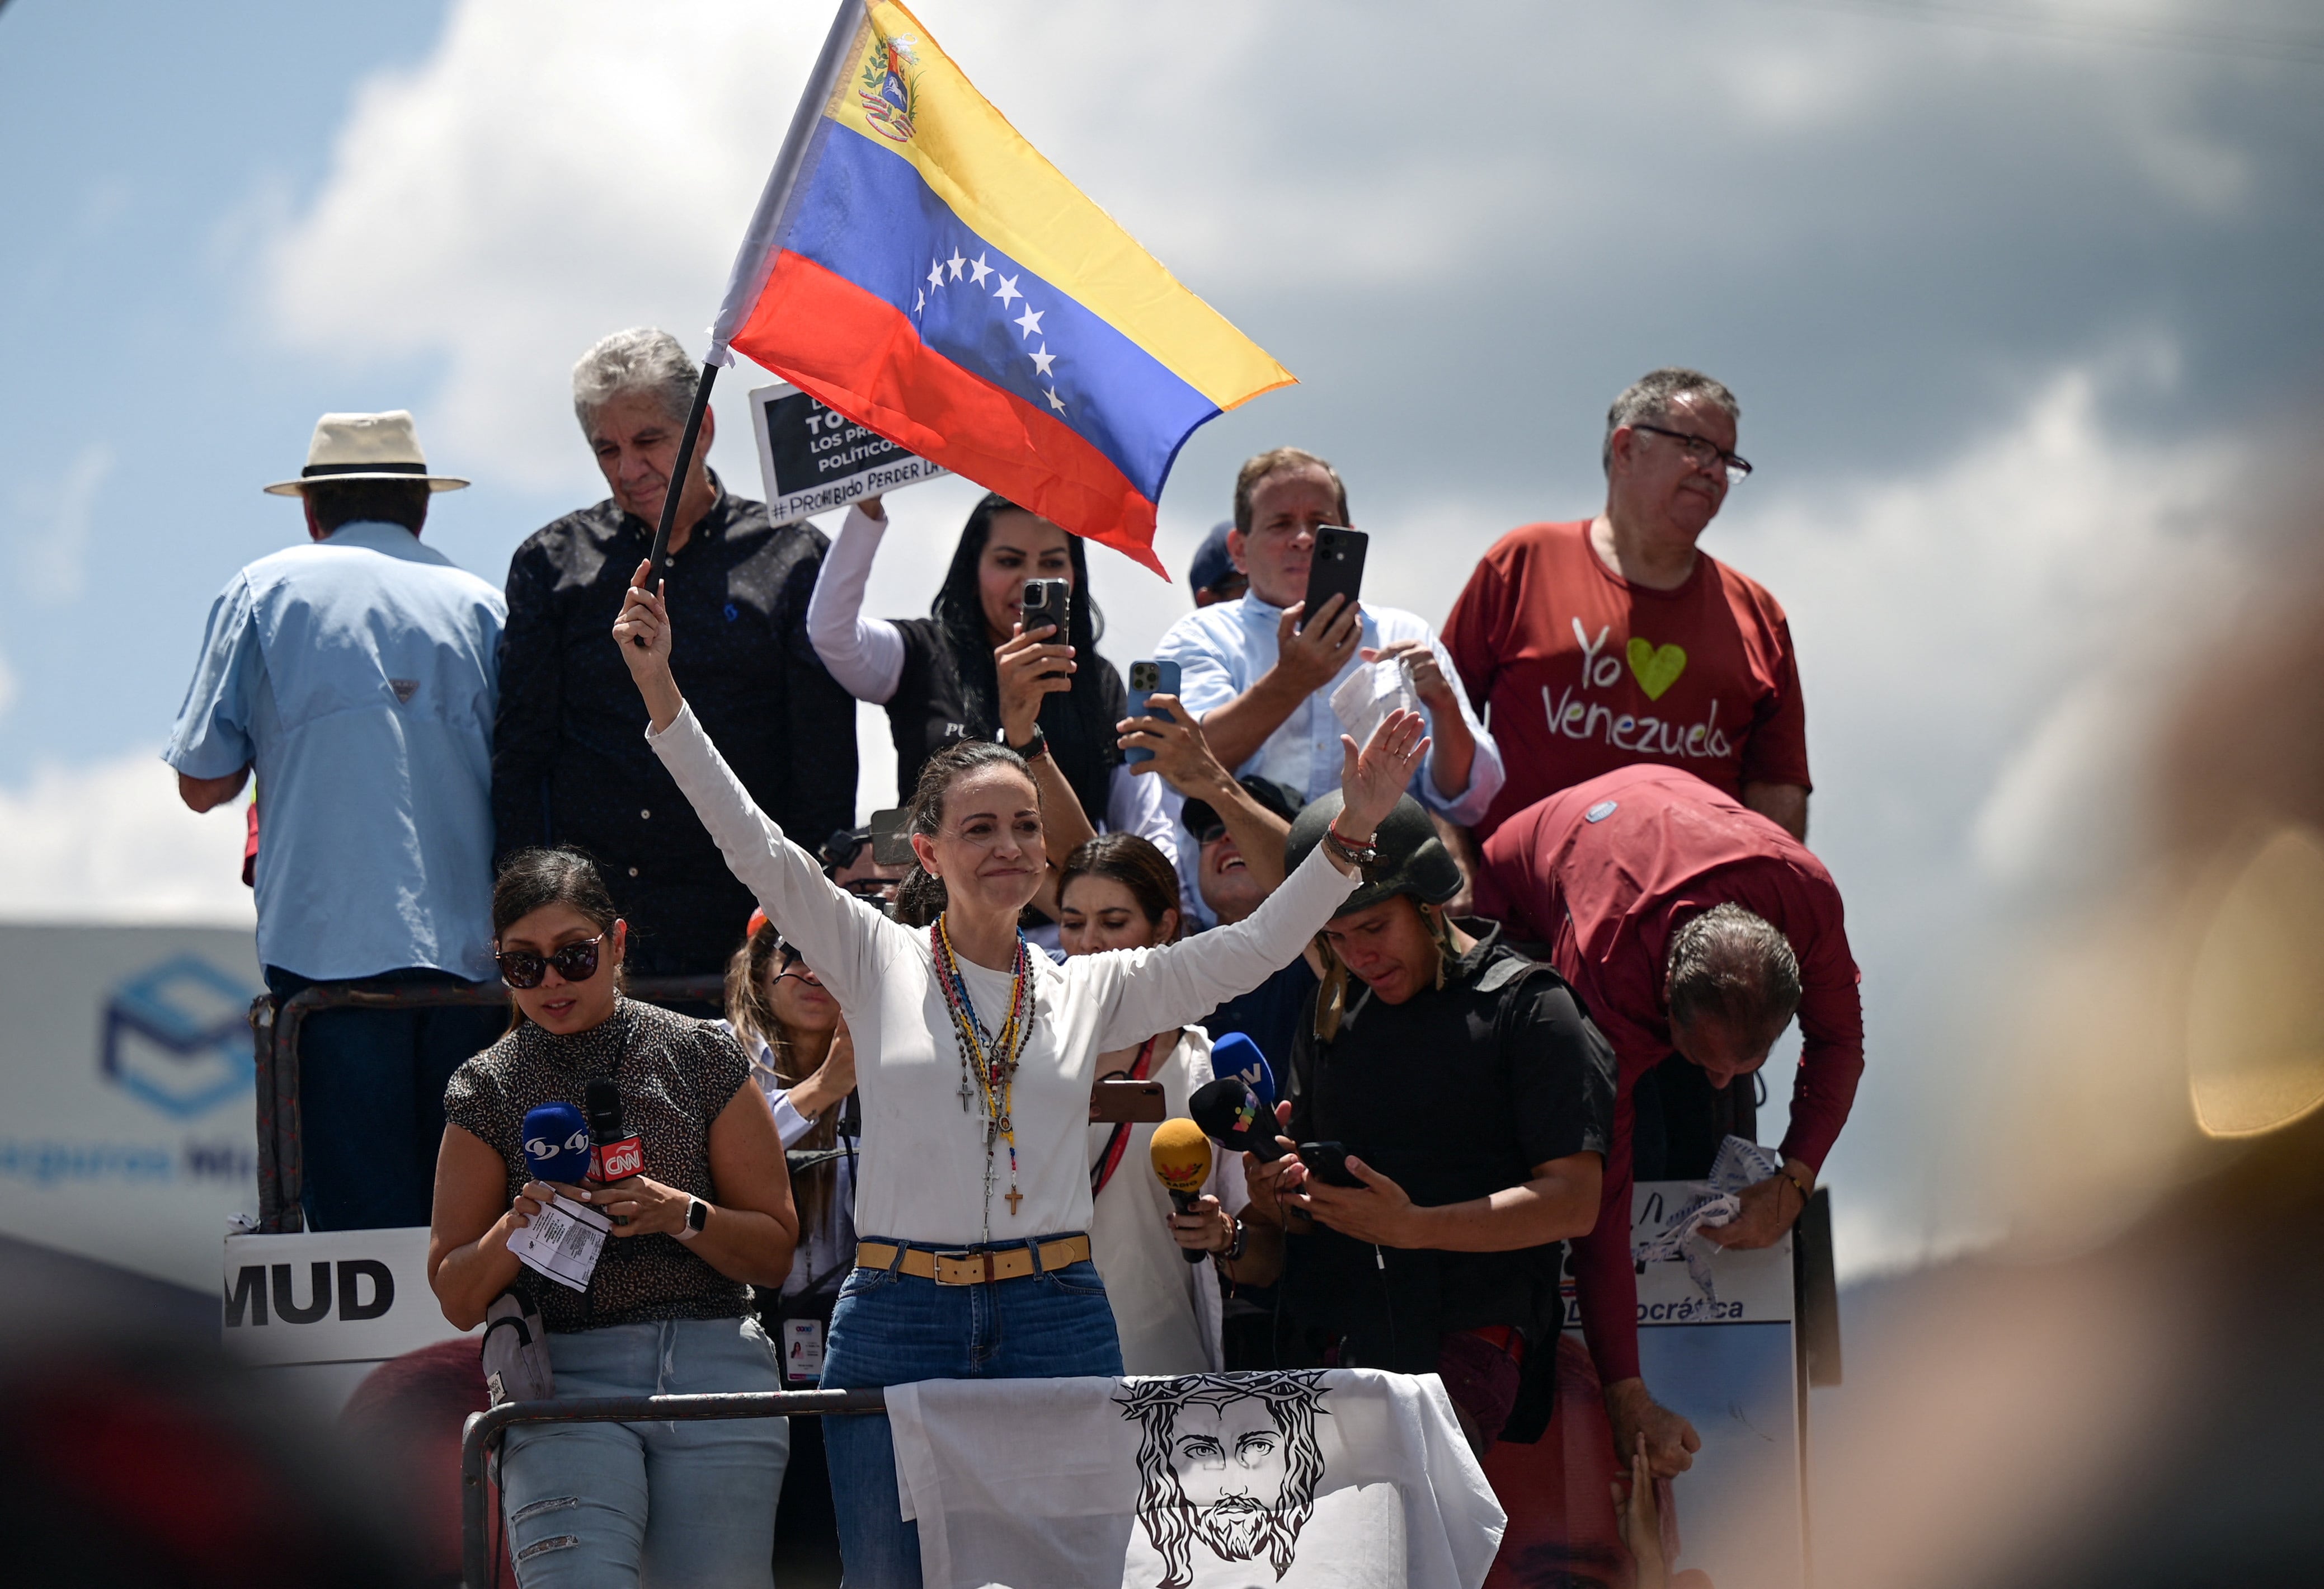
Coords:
616,1155
556,1142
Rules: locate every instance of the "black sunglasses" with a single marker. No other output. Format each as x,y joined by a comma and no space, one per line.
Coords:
576,962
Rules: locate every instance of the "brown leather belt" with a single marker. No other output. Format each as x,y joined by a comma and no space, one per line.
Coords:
976,1266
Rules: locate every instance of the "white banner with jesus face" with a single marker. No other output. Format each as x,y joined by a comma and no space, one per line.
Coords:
1353,1479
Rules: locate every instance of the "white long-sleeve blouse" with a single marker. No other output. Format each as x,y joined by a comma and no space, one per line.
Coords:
921,1177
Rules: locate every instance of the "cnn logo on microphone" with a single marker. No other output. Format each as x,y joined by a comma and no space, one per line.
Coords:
618,1160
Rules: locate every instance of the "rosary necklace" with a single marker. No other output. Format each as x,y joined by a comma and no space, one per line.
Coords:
988,1072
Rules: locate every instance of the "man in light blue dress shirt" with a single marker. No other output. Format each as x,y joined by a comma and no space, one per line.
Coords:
358,675
1262,687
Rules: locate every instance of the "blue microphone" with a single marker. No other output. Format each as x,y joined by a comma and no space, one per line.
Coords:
556,1142
1236,1054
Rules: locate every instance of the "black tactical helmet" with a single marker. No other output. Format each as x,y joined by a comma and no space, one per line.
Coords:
1413,860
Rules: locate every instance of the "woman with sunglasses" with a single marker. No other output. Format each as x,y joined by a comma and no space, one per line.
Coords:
667,1309
975,1057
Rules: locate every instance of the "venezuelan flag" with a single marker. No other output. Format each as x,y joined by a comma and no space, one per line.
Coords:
927,273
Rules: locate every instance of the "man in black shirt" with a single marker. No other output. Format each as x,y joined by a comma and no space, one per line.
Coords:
570,764
1474,1099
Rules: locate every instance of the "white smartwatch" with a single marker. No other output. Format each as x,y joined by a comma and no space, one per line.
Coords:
697,1214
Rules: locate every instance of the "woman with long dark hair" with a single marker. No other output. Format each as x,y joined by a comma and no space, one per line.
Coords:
966,673
974,1062
667,1306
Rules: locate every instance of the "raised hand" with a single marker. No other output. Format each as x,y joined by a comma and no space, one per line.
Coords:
1373,779
1310,658
1182,753
642,635
1030,666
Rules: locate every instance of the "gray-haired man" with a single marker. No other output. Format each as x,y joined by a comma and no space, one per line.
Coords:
1603,642
570,764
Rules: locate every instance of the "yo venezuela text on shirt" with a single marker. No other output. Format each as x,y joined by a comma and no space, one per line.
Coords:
1583,671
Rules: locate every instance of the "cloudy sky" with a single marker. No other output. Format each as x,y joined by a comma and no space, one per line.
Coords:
2016,295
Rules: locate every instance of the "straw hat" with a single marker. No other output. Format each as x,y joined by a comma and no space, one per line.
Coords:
365,447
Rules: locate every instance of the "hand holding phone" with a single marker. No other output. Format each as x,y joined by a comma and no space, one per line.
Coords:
1148,679
1328,1163
1336,569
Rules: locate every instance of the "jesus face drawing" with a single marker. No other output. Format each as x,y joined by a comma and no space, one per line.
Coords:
1231,1463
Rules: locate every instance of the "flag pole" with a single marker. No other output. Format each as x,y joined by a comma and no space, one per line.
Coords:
755,259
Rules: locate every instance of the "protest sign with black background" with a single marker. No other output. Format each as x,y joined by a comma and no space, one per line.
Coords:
814,460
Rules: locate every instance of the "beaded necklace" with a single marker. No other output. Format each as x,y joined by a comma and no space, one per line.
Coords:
988,1072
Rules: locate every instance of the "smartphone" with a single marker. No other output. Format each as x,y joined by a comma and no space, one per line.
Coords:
1044,603
1328,1163
892,845
1122,1102
1148,678
1337,569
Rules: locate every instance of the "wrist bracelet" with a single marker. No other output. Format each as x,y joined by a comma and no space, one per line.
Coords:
1234,1248
1360,857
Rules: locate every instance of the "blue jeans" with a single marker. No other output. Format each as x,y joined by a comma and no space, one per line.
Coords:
611,1506
893,1329
371,1101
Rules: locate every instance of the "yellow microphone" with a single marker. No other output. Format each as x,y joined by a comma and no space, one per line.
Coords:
1182,1160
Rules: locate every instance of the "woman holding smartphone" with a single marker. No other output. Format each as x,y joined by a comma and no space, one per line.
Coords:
975,1061
966,672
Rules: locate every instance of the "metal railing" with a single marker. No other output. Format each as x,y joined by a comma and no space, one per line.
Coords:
484,1431
274,1029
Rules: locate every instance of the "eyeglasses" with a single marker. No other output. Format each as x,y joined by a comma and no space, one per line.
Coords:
1209,831
1702,454
576,962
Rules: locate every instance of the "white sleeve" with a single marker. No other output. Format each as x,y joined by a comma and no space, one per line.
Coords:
1134,804
1140,991
864,655
789,1122
1486,772
839,934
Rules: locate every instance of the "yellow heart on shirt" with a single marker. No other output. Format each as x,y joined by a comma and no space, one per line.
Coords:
1657,667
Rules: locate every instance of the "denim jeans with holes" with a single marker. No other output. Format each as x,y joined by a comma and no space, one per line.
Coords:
893,1329
612,1506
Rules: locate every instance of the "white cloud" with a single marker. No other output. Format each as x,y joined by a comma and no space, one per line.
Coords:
112,842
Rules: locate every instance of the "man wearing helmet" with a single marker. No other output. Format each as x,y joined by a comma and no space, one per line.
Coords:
1474,1099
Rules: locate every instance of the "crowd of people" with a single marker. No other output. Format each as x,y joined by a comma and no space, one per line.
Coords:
1521,926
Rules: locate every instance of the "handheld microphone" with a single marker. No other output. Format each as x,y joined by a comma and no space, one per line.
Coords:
557,1143
614,1155
1230,1112
1235,1054
1182,1158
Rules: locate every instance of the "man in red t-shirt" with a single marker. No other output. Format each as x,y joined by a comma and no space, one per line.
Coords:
1693,926
1612,641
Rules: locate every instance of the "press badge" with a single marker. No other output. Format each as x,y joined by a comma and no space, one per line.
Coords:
802,1350
562,1242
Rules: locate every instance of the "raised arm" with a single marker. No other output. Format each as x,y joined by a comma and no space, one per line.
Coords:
1152,989
865,655
837,934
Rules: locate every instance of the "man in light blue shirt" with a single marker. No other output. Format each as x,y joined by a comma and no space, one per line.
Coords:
358,676
1262,687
